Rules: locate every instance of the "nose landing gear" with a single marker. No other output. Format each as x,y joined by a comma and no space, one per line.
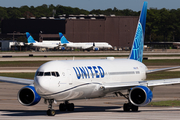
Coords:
62,107
50,111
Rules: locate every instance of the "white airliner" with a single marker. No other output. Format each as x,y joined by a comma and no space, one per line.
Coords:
84,45
62,81
44,44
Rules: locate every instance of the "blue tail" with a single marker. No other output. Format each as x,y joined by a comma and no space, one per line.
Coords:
63,39
30,38
138,44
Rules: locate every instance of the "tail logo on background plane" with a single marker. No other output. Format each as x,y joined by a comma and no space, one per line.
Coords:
63,39
30,38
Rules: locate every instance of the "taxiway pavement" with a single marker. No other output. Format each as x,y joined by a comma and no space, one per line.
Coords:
107,108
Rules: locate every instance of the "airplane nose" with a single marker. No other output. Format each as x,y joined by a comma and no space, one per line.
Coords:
41,85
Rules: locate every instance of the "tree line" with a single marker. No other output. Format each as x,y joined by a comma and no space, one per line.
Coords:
161,24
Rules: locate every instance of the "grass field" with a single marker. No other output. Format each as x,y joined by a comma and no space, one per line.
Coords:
19,75
163,75
174,55
21,63
168,103
162,62
170,62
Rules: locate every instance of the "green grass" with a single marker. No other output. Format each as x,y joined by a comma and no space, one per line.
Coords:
172,62
21,63
162,62
163,75
19,75
98,56
168,103
109,55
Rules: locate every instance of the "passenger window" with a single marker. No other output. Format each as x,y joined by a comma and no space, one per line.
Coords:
47,74
39,73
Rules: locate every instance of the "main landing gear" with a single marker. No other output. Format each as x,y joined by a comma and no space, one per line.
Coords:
127,106
66,106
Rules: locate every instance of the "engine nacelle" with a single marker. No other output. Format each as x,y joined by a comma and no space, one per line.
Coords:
28,96
95,49
63,48
140,96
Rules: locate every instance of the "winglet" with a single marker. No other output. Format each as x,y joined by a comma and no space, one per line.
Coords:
30,38
138,44
63,39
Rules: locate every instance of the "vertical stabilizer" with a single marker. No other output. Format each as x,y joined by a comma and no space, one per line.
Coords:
30,38
138,44
63,39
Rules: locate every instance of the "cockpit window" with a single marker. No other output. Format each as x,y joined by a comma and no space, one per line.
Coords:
55,74
39,74
47,74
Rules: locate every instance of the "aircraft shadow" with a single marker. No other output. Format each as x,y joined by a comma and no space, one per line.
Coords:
23,112
76,110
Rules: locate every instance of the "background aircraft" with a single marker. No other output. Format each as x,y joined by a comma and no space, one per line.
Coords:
84,45
62,81
44,44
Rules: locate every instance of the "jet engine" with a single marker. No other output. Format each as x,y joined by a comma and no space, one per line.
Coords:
95,49
62,48
140,95
28,96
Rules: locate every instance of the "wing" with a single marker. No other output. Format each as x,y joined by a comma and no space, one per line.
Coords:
150,83
16,80
162,69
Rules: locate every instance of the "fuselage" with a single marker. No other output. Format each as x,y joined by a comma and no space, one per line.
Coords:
46,44
78,79
87,45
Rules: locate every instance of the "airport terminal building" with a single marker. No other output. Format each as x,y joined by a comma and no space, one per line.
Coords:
116,30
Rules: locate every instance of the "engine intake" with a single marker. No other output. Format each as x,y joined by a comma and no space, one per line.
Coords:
95,49
140,96
28,96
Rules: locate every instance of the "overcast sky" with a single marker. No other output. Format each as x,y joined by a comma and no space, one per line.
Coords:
89,5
